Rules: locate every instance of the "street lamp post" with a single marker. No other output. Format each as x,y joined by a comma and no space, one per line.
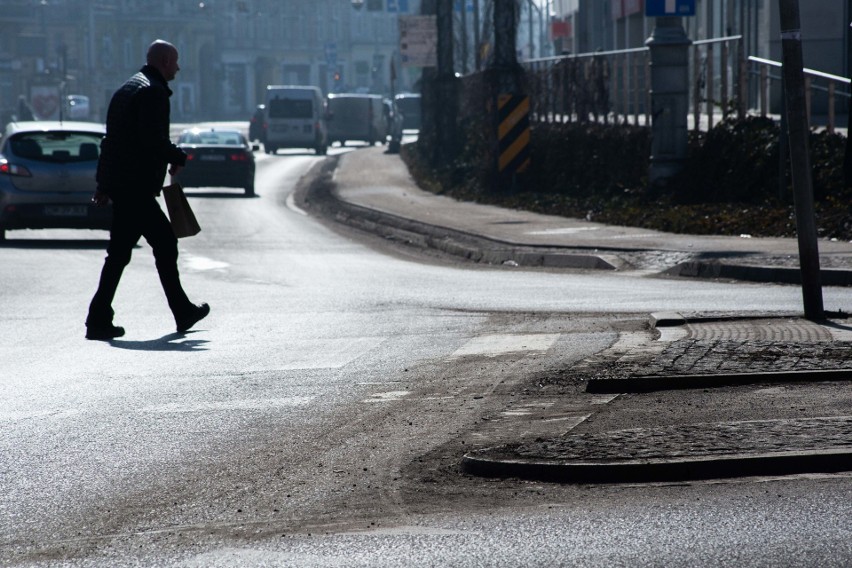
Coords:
447,98
798,129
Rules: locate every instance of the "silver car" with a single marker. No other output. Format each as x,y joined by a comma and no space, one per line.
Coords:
47,176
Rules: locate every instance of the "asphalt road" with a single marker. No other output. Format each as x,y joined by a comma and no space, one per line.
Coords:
317,417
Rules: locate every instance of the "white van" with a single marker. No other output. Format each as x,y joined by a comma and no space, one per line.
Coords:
356,117
295,117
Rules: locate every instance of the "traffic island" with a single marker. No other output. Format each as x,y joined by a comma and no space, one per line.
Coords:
676,453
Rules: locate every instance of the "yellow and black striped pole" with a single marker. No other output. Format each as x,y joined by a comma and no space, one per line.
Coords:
513,132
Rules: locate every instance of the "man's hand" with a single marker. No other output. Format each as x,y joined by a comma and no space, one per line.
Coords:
174,169
100,198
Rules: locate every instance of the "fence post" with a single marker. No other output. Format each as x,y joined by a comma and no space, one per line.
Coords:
831,89
669,47
625,88
710,87
696,91
647,90
808,96
723,92
637,68
764,76
744,84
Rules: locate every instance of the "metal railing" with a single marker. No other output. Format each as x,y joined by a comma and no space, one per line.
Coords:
614,86
718,82
816,83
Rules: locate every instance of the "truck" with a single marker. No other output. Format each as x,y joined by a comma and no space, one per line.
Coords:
356,117
296,118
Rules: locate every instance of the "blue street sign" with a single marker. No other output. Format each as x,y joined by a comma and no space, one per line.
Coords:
400,6
468,5
664,8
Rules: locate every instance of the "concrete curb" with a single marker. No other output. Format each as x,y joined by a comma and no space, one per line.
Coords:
674,382
650,383
457,243
777,274
321,193
660,470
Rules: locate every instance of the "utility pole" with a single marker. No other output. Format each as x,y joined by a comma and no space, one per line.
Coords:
447,96
508,106
477,40
798,130
504,67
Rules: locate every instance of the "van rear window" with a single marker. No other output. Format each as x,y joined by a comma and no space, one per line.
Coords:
291,108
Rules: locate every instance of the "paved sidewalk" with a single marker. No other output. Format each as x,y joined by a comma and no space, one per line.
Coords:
373,191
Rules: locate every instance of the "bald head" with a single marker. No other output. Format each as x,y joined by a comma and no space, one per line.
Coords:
163,57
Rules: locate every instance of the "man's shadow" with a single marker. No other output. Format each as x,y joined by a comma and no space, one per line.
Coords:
170,342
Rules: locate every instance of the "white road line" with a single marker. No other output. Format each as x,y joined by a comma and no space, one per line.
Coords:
201,263
291,205
387,396
494,345
326,353
243,405
563,231
21,415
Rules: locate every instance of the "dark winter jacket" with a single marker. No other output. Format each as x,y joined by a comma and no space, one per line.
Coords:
137,150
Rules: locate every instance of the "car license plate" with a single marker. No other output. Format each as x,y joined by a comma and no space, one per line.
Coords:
66,210
213,158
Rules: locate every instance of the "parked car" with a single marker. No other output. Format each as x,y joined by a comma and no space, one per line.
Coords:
358,117
409,105
47,176
216,158
257,125
296,118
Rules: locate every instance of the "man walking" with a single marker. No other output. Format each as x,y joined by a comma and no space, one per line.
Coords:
134,157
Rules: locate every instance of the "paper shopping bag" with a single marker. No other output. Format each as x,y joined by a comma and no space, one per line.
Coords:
181,216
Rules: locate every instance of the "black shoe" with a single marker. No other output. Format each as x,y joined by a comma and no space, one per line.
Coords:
197,314
103,332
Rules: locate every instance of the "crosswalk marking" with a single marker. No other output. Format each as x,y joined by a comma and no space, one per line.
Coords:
387,396
241,405
494,345
326,353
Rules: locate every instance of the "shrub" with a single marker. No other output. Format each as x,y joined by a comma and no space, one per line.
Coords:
729,184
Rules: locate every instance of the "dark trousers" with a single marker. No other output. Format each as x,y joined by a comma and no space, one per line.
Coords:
132,220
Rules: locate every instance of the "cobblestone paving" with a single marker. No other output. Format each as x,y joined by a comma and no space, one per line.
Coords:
695,440
695,356
708,347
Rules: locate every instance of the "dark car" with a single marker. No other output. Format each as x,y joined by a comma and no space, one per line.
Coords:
47,176
257,125
216,158
409,105
354,116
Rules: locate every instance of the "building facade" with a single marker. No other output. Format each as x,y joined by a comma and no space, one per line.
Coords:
230,50
609,25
